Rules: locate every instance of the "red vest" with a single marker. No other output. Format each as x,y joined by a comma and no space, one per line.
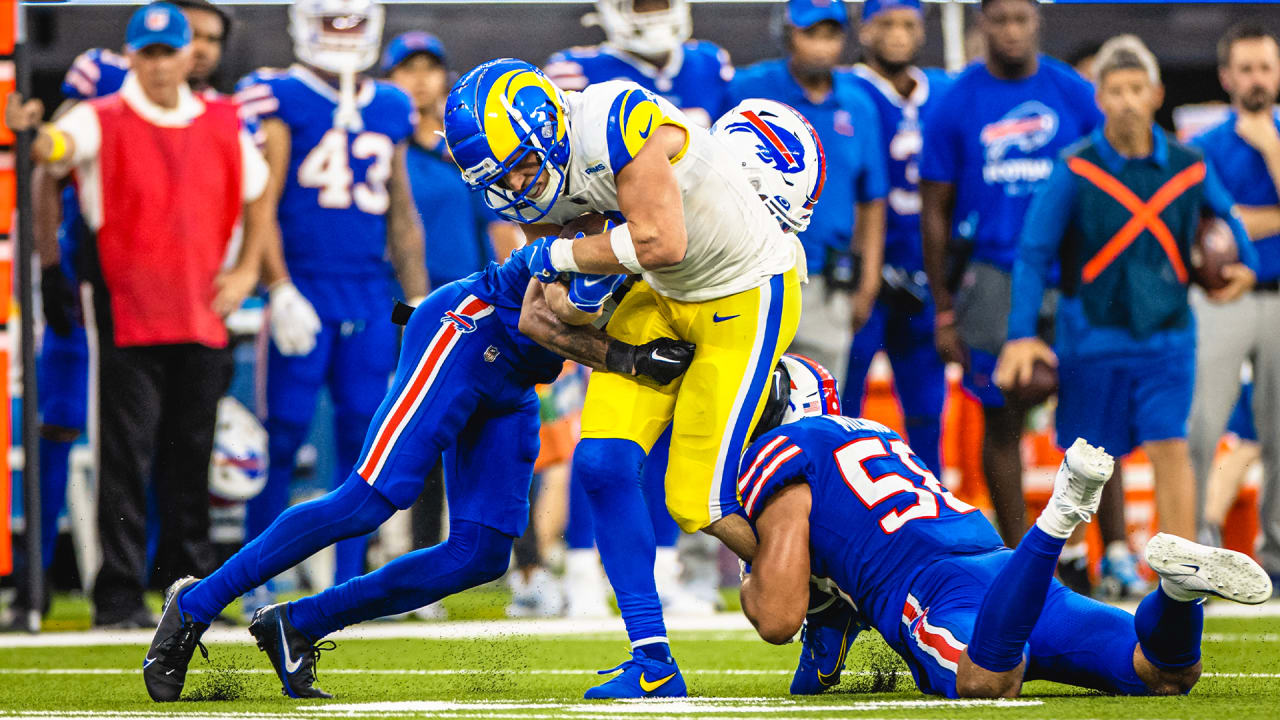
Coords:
170,200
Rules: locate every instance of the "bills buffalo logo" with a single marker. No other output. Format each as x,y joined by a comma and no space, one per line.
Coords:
774,145
1028,127
461,322
156,19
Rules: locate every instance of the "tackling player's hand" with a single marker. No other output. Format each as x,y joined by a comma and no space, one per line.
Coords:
1018,359
589,292
661,360
61,304
294,323
540,265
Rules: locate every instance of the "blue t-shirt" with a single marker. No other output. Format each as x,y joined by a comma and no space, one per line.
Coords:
695,79
845,123
454,219
503,286
900,122
96,72
996,141
333,209
878,514
1244,173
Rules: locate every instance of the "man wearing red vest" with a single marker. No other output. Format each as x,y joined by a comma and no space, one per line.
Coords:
163,175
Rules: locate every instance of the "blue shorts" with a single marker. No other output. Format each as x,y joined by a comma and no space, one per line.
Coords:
979,379
1077,640
1121,403
63,377
1241,420
458,390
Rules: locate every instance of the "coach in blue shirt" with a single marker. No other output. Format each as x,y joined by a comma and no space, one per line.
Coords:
462,235
851,215
1121,211
1245,151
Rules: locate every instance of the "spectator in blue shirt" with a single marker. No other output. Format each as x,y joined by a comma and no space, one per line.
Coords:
988,144
850,220
1244,150
1121,212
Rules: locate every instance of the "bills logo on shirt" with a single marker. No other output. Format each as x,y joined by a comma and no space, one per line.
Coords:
1026,129
463,323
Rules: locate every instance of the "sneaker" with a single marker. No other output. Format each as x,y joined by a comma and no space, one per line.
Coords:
1119,576
1074,573
164,671
585,588
292,654
823,648
1077,488
534,595
1190,571
254,600
642,677
433,612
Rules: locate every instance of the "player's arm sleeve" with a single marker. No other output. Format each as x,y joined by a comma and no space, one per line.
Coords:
258,102
82,126
873,180
81,80
767,468
1046,222
940,152
1220,203
632,119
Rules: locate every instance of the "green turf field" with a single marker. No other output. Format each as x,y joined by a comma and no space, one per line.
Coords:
730,674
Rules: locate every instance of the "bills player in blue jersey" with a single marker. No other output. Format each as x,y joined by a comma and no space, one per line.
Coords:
647,42
845,504
464,388
892,34
988,143
336,143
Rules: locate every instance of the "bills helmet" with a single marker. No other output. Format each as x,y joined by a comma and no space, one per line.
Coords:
495,116
645,32
799,388
238,466
337,36
781,155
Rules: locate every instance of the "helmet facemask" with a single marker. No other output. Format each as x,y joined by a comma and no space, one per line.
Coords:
648,33
337,36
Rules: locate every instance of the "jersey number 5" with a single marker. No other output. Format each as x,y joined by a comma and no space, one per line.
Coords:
328,168
852,460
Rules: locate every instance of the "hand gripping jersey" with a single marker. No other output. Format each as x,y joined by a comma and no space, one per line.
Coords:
900,121
333,207
879,516
734,243
695,79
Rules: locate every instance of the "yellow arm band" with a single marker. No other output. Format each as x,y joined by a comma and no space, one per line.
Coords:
59,140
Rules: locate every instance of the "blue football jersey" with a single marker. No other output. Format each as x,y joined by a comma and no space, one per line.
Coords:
503,287
878,514
996,141
900,121
696,79
96,72
333,207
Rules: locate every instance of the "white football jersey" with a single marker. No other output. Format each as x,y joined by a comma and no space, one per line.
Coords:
734,243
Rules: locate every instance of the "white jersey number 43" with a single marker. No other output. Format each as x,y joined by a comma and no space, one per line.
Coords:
328,168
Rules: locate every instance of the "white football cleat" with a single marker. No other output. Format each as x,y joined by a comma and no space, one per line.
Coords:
1077,488
1189,571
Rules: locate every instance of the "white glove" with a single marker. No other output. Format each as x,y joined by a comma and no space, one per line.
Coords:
294,323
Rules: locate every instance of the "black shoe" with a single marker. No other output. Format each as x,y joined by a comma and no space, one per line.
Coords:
176,639
292,654
1075,575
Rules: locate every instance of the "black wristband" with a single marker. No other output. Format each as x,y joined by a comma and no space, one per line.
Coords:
619,358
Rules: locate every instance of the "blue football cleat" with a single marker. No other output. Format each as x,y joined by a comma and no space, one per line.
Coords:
642,677
822,652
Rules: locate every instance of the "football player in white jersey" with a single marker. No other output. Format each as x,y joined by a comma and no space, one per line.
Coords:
717,269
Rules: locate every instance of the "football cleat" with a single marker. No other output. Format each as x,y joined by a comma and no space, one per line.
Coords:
292,654
1120,578
1077,488
164,671
823,648
642,677
1190,571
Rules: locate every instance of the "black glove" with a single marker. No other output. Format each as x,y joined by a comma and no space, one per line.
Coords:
61,302
661,360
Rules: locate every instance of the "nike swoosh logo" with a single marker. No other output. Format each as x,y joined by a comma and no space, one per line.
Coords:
147,663
291,665
656,355
717,317
648,687
644,134
1194,568
831,678
593,281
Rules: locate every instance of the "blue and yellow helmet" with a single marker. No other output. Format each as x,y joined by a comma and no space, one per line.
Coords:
496,115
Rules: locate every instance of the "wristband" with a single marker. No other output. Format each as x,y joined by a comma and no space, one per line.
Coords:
618,359
623,249
561,253
59,140
944,318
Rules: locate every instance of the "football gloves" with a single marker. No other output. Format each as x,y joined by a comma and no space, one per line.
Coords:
661,360
589,292
294,323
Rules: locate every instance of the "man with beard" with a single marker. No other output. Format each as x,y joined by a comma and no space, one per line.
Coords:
988,144
1244,150
850,220
901,322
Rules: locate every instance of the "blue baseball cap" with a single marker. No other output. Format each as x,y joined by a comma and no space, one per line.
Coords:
159,23
409,44
871,8
807,13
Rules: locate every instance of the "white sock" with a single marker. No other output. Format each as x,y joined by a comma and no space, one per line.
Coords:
1056,523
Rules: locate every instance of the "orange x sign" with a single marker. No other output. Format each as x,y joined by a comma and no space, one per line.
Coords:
1146,215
